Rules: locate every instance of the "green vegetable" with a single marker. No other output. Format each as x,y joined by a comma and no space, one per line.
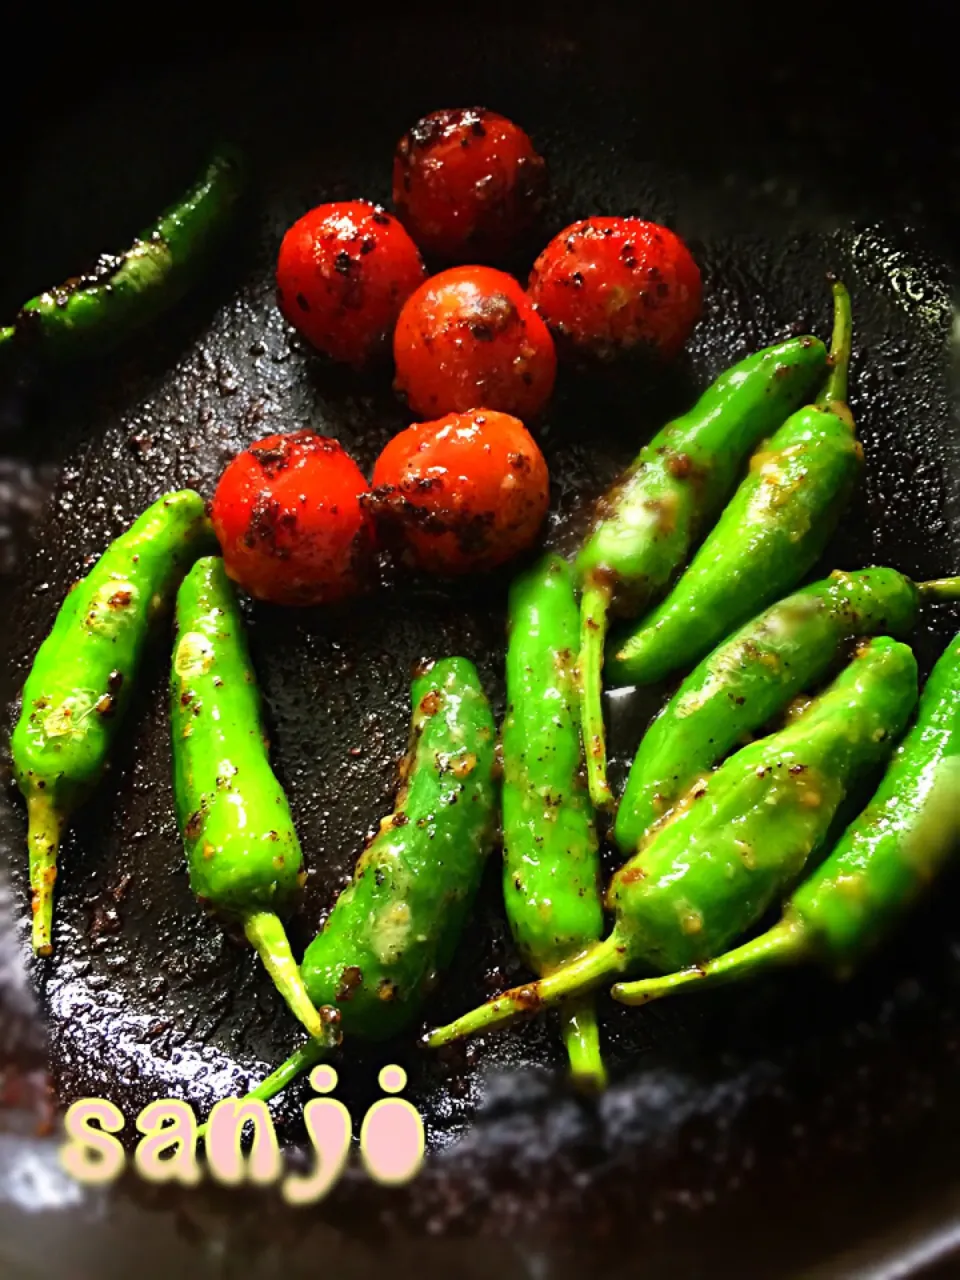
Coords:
395,927
648,523
885,860
739,840
93,313
751,677
551,866
80,681
773,531
242,849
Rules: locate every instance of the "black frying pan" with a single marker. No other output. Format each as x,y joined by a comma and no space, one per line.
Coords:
751,1133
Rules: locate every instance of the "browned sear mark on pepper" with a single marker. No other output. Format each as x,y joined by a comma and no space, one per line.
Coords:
350,978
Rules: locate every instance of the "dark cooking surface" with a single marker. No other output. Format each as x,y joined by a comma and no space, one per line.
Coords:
722,1108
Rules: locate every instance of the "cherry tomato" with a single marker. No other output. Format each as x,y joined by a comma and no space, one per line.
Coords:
288,518
343,274
467,182
610,283
462,494
469,337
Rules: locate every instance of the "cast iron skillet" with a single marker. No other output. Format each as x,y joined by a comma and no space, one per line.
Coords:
750,1133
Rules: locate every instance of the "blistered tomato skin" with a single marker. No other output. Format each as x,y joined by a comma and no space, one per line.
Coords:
466,183
343,273
460,495
607,284
288,518
470,337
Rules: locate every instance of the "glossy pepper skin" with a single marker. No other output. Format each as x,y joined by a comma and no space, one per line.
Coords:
773,531
739,840
242,849
710,875
884,861
749,679
79,685
93,313
551,865
647,524
395,927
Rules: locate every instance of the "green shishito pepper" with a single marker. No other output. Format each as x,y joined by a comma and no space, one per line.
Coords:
773,531
80,681
648,523
93,313
395,927
741,838
551,865
884,861
754,675
242,850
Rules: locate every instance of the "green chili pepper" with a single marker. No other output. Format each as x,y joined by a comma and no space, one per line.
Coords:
751,677
649,521
773,531
242,849
81,678
94,313
7,349
741,838
395,927
551,867
884,861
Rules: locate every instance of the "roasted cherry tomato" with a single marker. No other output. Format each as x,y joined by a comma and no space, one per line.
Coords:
289,521
611,283
462,494
343,274
467,182
470,337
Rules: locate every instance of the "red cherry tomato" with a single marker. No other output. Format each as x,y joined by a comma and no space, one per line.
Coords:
462,494
468,337
610,283
466,182
343,274
289,521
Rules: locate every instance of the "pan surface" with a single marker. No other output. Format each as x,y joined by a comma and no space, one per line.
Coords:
723,1111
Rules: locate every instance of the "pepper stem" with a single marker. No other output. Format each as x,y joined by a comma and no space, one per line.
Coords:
306,1057
582,1039
834,392
940,589
579,975
593,635
265,931
44,829
785,943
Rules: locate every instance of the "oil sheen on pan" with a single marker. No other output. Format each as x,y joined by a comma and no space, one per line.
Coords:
147,997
